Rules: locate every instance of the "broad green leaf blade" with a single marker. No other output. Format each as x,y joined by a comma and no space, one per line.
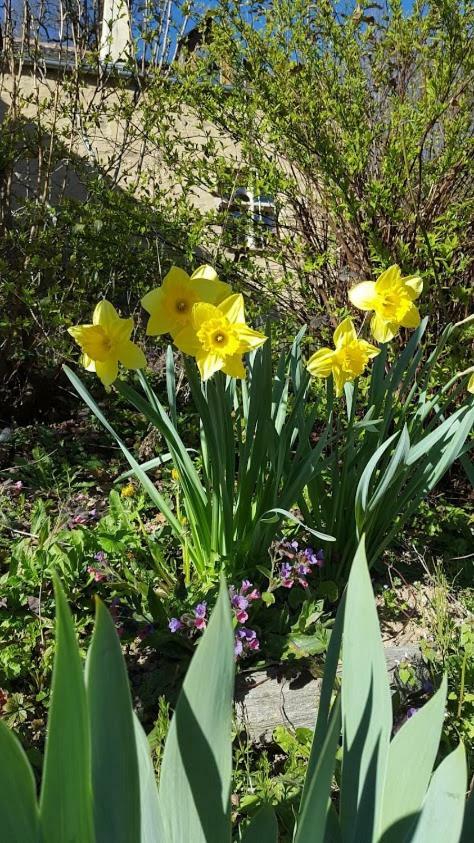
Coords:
195,779
327,688
443,809
151,825
19,819
114,755
66,792
317,792
411,759
366,709
263,828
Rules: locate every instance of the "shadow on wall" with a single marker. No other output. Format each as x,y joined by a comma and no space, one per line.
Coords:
68,237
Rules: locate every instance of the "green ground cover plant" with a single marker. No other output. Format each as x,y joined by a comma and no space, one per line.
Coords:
111,754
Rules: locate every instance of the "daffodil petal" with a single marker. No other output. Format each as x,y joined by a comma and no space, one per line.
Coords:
234,366
186,340
208,364
131,356
105,314
381,330
470,384
320,363
201,312
248,338
233,308
211,291
176,275
79,332
107,371
413,285
368,349
206,272
120,330
88,363
388,278
344,333
160,322
152,301
411,319
363,295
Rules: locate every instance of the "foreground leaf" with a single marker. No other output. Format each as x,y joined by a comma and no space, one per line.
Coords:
263,828
66,794
197,761
114,756
443,809
366,709
411,758
19,820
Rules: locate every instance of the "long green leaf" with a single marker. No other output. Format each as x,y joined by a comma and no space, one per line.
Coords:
263,828
196,770
411,758
366,709
66,793
19,819
114,755
441,817
317,794
150,817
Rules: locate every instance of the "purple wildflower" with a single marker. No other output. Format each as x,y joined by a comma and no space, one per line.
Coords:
314,558
174,625
200,610
245,641
200,615
411,711
100,556
239,602
96,573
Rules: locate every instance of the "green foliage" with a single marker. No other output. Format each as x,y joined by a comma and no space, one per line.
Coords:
255,459
387,786
358,123
374,462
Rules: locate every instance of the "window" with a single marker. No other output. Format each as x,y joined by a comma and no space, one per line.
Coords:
248,219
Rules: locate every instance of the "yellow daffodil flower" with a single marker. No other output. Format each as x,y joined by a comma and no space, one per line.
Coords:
391,298
171,304
348,359
218,337
107,342
470,384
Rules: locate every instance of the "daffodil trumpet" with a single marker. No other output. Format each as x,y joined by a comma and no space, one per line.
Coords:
218,336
